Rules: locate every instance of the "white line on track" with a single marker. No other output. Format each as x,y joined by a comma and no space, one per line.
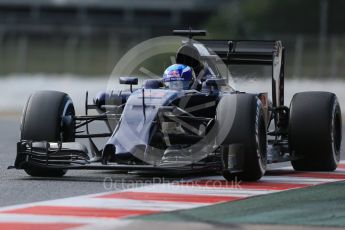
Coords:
123,203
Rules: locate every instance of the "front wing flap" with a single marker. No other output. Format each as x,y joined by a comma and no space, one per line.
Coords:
64,155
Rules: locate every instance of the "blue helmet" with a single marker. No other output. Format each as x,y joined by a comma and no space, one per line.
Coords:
178,77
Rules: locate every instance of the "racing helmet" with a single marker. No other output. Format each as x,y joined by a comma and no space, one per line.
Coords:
178,77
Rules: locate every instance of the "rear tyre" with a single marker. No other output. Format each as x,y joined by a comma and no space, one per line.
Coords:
47,116
315,131
248,131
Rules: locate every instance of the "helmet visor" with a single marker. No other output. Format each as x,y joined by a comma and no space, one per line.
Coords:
177,85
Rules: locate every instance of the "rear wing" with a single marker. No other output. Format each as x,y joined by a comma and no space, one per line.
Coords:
243,52
252,52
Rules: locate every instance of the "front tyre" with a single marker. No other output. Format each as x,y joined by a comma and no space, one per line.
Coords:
247,135
315,131
47,116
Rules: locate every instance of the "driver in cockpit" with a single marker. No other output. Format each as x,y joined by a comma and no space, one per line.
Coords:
178,77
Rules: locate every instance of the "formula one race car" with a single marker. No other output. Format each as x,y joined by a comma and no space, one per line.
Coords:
209,127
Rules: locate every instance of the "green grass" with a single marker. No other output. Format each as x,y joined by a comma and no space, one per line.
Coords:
322,205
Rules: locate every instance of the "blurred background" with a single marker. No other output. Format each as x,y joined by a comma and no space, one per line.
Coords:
73,45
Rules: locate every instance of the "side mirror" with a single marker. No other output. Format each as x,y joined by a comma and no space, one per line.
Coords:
128,81
216,82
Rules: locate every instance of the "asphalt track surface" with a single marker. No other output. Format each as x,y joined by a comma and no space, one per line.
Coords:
18,188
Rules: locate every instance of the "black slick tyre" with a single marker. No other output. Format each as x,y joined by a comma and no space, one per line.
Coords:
248,131
43,120
315,131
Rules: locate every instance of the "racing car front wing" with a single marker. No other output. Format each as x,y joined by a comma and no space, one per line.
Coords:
72,155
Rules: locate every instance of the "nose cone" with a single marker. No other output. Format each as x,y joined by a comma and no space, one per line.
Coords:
116,153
